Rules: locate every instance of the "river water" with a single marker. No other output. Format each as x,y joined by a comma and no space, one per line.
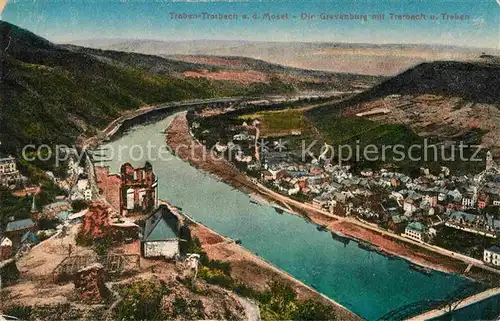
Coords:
367,283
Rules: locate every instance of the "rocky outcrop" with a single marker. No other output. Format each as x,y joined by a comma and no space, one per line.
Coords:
207,302
95,225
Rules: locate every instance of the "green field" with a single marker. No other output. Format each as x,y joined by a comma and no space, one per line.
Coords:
280,122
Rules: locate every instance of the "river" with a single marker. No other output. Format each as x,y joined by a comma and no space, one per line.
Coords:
366,282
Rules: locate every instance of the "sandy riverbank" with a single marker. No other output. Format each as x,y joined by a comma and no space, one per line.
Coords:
177,134
249,268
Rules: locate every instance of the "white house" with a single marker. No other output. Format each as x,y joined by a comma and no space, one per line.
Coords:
468,201
83,190
240,157
5,241
492,255
367,173
294,190
220,147
240,137
161,234
87,194
416,231
5,248
82,184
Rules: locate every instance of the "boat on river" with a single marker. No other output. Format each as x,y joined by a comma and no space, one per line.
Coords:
366,246
279,210
342,239
321,228
421,269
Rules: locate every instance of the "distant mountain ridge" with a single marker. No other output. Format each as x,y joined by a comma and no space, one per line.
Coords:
52,94
367,59
477,81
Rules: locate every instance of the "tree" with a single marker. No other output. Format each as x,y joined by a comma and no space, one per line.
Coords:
142,300
280,303
79,205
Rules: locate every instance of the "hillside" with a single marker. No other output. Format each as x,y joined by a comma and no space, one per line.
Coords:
236,69
445,101
474,81
51,94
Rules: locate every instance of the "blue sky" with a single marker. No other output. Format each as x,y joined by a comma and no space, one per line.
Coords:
69,20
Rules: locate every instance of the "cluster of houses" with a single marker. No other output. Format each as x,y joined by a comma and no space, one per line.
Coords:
9,174
406,205
409,206
82,189
412,207
20,235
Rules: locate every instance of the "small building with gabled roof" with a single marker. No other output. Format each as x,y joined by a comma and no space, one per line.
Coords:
5,248
161,234
29,238
20,225
492,255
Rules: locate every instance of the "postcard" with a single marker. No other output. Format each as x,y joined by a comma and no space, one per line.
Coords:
250,160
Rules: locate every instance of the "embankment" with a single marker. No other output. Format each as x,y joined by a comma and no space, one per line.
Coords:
253,270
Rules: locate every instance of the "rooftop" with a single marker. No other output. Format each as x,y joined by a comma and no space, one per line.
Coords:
417,226
19,225
30,237
6,159
161,225
494,249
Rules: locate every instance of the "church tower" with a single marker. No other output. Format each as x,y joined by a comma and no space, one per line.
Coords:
34,210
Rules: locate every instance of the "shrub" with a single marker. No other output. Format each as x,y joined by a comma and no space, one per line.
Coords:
20,312
192,309
215,276
280,303
313,310
79,205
